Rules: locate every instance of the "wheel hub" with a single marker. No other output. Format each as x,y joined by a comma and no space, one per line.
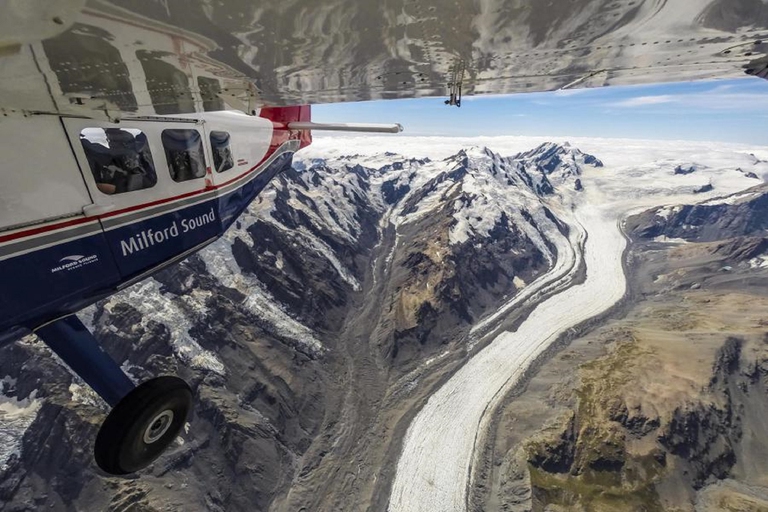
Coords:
158,426
142,425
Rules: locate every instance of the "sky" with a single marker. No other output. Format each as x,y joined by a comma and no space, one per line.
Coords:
717,110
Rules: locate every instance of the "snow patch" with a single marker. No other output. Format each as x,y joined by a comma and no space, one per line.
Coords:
220,262
733,199
153,305
16,415
667,240
83,394
666,211
759,262
432,359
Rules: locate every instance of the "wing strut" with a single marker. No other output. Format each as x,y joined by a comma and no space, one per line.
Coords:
347,127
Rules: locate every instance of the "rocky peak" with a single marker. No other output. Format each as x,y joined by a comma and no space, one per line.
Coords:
403,164
685,169
563,159
482,164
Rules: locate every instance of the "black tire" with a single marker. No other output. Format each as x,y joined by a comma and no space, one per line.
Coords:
142,425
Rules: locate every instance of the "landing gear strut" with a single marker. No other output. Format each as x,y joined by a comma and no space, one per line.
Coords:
144,420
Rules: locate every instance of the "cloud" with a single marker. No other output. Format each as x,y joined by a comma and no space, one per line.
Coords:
491,96
752,102
642,101
722,88
725,97
571,92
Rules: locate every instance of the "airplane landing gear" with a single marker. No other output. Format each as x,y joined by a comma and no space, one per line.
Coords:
144,420
142,425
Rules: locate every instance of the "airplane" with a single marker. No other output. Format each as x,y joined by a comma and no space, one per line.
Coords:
133,134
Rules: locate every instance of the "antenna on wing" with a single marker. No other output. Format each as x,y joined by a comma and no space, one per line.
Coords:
454,86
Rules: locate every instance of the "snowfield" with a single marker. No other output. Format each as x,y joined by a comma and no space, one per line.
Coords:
16,415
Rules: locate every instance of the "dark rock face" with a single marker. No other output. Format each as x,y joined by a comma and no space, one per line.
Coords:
557,456
705,435
727,360
705,222
634,421
750,174
306,283
467,282
701,436
393,192
685,169
742,248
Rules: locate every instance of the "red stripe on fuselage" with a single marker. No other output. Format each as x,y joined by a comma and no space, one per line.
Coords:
45,229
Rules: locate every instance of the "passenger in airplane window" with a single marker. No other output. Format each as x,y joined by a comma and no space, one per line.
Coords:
184,153
145,157
107,188
222,154
181,166
137,176
109,179
119,159
98,160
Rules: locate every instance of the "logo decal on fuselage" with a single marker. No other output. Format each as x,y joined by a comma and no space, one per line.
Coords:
74,262
149,237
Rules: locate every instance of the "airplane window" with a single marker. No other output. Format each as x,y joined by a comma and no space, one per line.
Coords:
119,158
222,153
184,152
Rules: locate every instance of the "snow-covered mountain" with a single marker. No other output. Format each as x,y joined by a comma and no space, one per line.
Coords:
741,214
346,278
555,163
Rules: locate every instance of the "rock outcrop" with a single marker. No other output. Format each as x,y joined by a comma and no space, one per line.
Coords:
745,214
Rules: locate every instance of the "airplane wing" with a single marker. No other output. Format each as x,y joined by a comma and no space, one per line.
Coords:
182,56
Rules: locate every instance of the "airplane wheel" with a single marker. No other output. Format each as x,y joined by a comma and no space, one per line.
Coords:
142,425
